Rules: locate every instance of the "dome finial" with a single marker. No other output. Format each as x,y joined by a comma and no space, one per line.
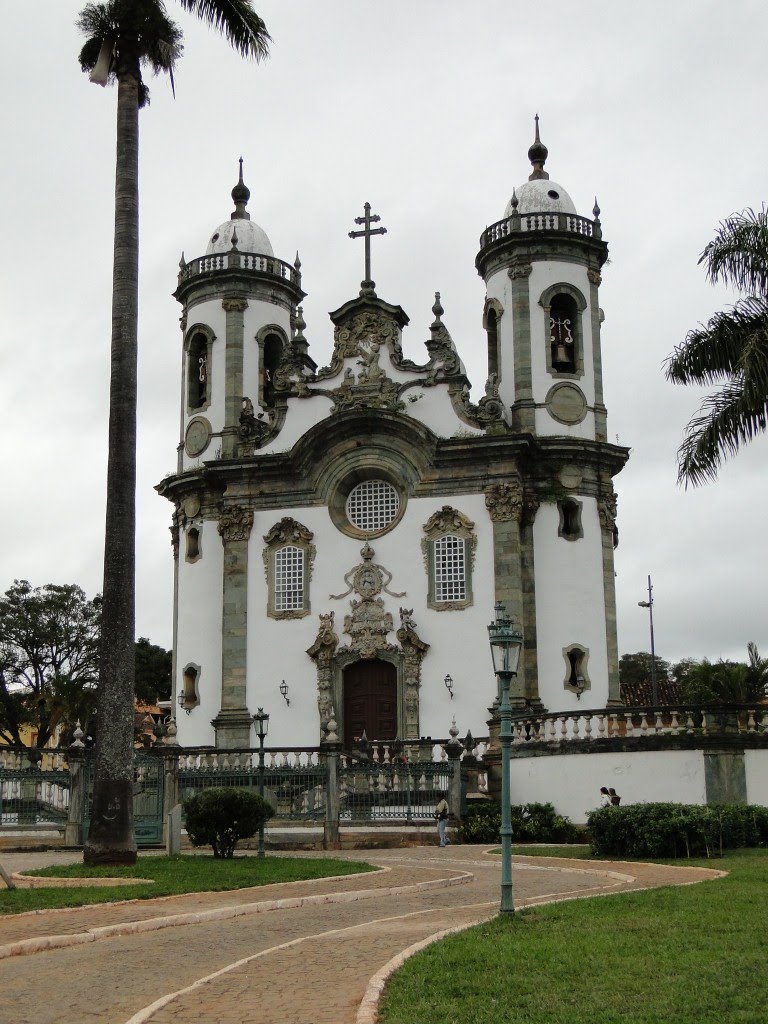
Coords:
240,194
538,154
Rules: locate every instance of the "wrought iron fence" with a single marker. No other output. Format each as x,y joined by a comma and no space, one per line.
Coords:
372,791
34,788
294,779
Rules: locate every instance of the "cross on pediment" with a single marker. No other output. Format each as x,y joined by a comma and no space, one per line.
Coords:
367,285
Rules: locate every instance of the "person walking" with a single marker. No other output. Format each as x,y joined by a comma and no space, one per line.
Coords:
605,797
441,816
615,798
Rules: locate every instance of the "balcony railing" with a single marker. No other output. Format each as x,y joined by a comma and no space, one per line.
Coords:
568,222
233,260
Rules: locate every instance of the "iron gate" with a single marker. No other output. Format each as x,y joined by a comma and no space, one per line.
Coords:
148,797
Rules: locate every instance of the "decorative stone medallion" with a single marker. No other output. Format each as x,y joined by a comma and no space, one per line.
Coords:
197,437
566,403
570,477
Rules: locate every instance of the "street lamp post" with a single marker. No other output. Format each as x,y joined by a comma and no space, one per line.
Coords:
261,721
649,605
506,642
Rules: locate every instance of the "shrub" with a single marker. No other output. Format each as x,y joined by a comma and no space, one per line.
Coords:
531,823
220,817
676,830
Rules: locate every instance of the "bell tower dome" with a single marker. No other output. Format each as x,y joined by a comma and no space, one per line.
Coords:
541,265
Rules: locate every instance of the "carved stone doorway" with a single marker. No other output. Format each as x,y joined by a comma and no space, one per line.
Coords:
370,701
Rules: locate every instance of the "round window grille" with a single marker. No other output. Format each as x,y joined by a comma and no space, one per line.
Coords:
372,505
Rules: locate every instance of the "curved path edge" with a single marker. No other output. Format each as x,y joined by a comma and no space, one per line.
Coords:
25,947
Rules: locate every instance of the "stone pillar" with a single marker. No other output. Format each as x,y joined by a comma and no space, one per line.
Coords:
170,792
235,308
523,411
506,507
606,507
74,826
233,722
331,833
601,426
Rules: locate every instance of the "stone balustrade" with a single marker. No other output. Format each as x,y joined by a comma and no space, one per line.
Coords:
233,260
616,724
565,222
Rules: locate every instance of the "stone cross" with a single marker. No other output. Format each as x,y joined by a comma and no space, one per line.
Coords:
367,220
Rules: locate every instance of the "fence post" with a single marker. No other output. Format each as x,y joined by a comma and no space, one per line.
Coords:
170,789
454,749
331,836
74,827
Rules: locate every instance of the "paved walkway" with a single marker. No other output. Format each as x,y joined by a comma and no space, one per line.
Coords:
315,959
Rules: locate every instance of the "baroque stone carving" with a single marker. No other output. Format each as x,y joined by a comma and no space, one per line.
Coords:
520,270
504,501
235,523
252,427
322,653
448,520
490,408
234,305
289,531
607,510
595,276
367,579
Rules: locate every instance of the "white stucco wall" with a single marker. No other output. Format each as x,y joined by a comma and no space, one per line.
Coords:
199,632
756,771
572,781
570,606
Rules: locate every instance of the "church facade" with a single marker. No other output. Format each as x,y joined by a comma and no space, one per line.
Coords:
342,534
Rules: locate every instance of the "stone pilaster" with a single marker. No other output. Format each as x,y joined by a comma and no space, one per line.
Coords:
606,507
233,722
233,373
523,410
505,505
601,425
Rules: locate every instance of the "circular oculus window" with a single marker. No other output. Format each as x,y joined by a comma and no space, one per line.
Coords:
372,505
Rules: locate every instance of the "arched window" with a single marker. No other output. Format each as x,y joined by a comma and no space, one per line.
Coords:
570,519
193,544
562,340
449,547
563,306
191,676
576,677
288,558
491,316
198,372
271,357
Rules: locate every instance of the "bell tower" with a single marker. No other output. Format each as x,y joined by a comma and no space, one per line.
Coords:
541,265
542,268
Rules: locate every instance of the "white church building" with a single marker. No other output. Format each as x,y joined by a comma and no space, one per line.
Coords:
342,534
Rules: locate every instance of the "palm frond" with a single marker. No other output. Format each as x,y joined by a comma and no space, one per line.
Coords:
738,254
237,21
726,420
735,340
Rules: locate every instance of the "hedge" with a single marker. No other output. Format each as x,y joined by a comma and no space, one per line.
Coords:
531,823
675,830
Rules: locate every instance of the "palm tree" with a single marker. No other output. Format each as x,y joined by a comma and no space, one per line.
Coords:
731,349
123,38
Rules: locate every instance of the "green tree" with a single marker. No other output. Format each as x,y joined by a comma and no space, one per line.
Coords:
49,640
636,668
153,672
730,350
123,38
725,682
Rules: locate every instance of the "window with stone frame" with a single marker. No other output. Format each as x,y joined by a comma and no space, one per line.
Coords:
449,549
570,527
563,306
576,676
288,558
198,370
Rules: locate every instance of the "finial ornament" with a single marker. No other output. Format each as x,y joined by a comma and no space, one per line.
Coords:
514,201
437,309
538,154
297,262
240,195
367,286
235,239
596,209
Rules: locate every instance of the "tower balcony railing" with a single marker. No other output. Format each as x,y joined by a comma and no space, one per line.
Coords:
521,222
615,725
234,260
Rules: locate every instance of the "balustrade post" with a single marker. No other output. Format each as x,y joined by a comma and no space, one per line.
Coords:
331,833
170,789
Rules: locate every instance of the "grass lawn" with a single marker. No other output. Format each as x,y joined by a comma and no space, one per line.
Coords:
170,876
694,955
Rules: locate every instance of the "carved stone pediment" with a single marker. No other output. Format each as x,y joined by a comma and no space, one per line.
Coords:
288,531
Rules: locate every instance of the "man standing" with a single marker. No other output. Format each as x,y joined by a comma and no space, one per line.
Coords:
441,815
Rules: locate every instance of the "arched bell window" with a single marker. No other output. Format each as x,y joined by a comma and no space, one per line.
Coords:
563,306
273,345
491,316
198,369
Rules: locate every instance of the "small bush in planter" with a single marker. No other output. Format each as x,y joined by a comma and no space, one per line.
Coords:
220,817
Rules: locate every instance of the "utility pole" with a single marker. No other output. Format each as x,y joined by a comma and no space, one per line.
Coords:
649,605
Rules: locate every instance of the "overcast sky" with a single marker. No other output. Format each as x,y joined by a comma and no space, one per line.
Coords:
424,108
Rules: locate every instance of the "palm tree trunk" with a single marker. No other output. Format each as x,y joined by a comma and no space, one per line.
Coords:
111,839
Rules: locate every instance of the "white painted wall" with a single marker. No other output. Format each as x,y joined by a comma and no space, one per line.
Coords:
756,771
570,606
572,781
199,632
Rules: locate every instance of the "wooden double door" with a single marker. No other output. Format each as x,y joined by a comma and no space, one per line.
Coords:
370,701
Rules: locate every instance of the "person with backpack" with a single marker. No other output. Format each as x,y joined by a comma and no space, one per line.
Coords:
441,816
